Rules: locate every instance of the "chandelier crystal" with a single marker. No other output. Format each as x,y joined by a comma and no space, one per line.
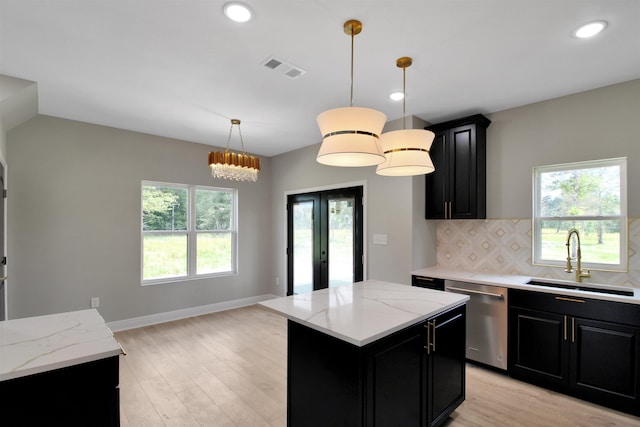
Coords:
234,166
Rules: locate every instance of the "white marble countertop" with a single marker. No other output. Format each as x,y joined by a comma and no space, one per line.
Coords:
520,282
38,344
365,311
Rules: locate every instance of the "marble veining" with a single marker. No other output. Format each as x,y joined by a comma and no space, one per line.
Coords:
365,311
39,344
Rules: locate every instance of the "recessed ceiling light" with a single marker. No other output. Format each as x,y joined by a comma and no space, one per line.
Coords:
590,29
237,12
396,96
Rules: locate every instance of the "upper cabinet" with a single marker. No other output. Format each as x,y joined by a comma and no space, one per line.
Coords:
457,188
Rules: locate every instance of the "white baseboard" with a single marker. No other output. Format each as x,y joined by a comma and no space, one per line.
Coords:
153,319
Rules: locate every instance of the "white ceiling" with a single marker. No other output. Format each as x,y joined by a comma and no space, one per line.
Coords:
179,68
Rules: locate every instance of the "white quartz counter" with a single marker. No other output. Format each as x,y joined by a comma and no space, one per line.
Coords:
38,344
365,311
520,282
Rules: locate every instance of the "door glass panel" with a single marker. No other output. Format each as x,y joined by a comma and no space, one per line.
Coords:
302,247
340,241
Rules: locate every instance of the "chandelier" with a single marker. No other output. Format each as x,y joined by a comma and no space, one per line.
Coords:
232,166
350,135
406,151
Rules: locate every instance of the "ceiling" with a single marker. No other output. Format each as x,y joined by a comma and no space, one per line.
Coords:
180,69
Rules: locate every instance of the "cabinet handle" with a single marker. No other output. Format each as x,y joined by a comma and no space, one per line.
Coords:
450,209
428,346
573,329
570,299
433,335
565,328
124,353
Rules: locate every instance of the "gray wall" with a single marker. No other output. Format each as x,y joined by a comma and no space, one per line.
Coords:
597,124
75,199
74,221
389,210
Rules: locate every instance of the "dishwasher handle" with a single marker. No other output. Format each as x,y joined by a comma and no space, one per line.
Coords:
471,291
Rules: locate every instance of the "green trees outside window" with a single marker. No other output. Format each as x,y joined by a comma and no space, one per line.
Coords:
590,196
187,231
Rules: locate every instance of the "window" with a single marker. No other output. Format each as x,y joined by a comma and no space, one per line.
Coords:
590,196
187,232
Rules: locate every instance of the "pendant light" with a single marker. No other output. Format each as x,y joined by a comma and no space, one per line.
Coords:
232,166
350,135
406,151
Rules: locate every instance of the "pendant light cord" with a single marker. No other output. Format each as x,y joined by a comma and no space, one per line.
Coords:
404,97
352,44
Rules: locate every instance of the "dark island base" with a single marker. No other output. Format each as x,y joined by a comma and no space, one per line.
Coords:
415,377
82,395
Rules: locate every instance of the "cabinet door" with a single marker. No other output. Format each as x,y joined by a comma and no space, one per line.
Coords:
396,380
604,358
539,346
466,174
435,181
446,365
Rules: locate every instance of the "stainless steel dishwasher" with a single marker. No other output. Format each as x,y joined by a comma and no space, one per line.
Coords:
487,316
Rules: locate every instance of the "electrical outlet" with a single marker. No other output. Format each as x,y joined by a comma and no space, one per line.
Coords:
95,302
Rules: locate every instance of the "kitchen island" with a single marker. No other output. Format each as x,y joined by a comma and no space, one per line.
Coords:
59,369
373,353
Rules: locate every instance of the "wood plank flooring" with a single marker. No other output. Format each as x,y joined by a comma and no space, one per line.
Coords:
229,369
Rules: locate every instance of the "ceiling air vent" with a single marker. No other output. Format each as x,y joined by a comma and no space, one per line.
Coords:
283,67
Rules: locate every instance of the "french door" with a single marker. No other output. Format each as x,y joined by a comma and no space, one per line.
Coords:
324,239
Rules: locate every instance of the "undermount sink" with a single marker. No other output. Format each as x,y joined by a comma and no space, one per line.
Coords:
582,287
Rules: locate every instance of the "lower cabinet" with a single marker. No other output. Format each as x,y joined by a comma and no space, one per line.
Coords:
415,377
81,395
583,347
428,282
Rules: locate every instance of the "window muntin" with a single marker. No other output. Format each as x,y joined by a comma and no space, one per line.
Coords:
187,232
590,196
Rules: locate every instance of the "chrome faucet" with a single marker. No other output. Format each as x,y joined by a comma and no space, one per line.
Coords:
579,274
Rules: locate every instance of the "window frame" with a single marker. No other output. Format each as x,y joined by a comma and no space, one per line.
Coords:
191,233
536,235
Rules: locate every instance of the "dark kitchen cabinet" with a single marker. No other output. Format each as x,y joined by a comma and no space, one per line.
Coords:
457,187
419,374
446,365
414,377
86,394
579,346
427,282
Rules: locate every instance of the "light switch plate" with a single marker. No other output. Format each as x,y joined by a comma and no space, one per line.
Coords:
379,239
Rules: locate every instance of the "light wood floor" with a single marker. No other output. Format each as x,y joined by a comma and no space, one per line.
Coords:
229,369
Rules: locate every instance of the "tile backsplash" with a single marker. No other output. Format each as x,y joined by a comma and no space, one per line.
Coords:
504,246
